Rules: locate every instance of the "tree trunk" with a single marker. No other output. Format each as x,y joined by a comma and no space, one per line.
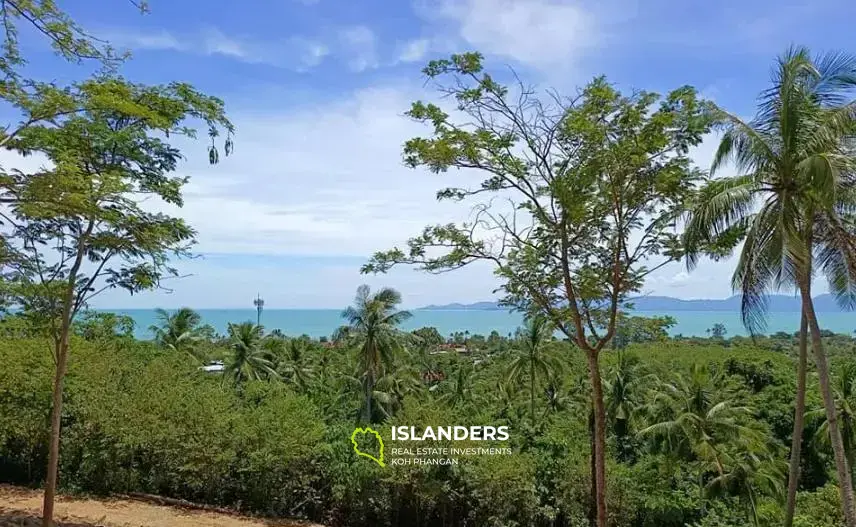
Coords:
599,437
842,470
799,415
56,424
532,391
68,311
367,413
847,439
592,513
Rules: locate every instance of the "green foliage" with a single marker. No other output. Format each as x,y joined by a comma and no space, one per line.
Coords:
95,325
570,197
844,390
372,329
179,331
429,338
819,509
292,361
247,359
633,329
696,415
78,228
66,37
25,388
531,360
504,491
282,447
717,331
626,385
154,423
42,102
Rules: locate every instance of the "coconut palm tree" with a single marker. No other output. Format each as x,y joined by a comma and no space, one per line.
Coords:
389,391
557,397
506,395
293,366
531,360
394,386
247,359
340,335
698,417
625,387
747,475
844,387
373,325
792,203
179,331
459,390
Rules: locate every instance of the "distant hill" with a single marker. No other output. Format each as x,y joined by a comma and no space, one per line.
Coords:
778,303
479,306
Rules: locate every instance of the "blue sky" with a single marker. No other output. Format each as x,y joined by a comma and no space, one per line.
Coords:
317,89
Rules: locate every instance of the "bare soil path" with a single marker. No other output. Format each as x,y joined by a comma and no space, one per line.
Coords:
22,508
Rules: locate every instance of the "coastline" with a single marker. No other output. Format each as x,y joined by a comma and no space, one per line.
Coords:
322,322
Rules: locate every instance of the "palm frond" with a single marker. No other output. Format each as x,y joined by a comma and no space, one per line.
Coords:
722,204
742,145
837,258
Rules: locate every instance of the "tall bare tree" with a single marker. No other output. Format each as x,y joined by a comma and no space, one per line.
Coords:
581,197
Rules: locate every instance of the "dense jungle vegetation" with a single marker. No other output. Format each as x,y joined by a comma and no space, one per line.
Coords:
698,427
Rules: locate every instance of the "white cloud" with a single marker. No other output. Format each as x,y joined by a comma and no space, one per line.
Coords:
356,46
326,180
313,52
414,50
359,43
157,40
322,179
680,279
674,277
295,52
216,43
418,50
540,33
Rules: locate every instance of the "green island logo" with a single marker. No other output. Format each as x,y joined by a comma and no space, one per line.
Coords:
367,430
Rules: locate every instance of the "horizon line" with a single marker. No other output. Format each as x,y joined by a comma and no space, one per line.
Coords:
462,303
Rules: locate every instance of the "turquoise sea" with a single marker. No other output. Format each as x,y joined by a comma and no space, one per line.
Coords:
322,322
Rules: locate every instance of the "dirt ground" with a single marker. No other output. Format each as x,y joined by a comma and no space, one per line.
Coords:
22,508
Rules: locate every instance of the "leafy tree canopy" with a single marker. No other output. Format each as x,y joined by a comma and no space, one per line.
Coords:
79,221
571,179
66,37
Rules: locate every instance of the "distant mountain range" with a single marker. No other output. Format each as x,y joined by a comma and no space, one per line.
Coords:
666,304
